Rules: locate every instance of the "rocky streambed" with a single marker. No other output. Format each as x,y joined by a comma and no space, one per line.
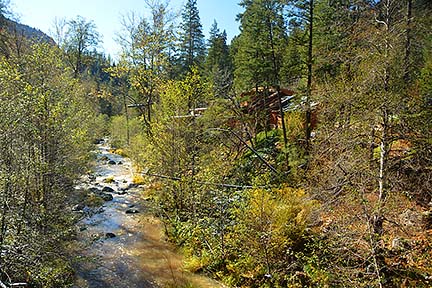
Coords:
121,244
110,232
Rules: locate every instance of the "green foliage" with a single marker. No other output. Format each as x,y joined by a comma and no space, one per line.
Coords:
119,127
81,36
57,273
426,82
369,91
260,45
266,229
100,126
191,41
218,63
44,123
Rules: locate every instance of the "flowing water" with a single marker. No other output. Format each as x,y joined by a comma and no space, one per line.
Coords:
126,249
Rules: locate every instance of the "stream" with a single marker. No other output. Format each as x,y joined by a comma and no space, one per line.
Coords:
122,244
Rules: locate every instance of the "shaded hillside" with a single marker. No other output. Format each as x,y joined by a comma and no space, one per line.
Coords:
27,31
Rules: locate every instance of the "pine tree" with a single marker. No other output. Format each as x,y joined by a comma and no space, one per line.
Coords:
258,54
191,46
218,64
260,44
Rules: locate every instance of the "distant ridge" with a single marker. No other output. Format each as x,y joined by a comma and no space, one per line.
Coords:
29,32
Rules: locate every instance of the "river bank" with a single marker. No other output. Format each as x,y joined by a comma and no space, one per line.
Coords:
121,243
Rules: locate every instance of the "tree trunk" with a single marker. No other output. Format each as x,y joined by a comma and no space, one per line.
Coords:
407,68
127,118
309,78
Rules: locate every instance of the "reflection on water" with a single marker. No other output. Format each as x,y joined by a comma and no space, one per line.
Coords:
135,255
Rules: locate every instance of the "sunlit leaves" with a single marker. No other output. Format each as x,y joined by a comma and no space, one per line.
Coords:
44,139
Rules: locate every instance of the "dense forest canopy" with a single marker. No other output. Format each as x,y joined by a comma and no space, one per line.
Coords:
298,155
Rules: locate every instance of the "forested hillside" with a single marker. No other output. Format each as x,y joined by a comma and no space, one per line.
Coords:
297,155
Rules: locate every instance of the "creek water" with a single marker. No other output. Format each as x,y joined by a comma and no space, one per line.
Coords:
120,249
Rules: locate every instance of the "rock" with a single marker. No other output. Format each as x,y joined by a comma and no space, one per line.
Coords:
111,162
120,163
86,210
98,141
78,207
131,205
110,235
132,211
107,189
124,181
121,192
123,187
95,190
96,236
104,158
82,228
106,196
132,185
109,180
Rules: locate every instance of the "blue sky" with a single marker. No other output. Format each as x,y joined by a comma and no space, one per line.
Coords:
107,13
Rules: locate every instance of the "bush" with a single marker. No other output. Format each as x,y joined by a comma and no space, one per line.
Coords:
100,126
119,130
272,225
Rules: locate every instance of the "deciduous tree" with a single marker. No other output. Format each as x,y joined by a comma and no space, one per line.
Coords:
81,36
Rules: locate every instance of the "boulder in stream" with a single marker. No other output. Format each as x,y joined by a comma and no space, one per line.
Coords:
98,141
78,207
94,190
106,196
104,158
111,162
107,189
110,235
132,211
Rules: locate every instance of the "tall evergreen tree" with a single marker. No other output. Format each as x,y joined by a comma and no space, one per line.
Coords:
191,43
218,64
260,44
302,14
